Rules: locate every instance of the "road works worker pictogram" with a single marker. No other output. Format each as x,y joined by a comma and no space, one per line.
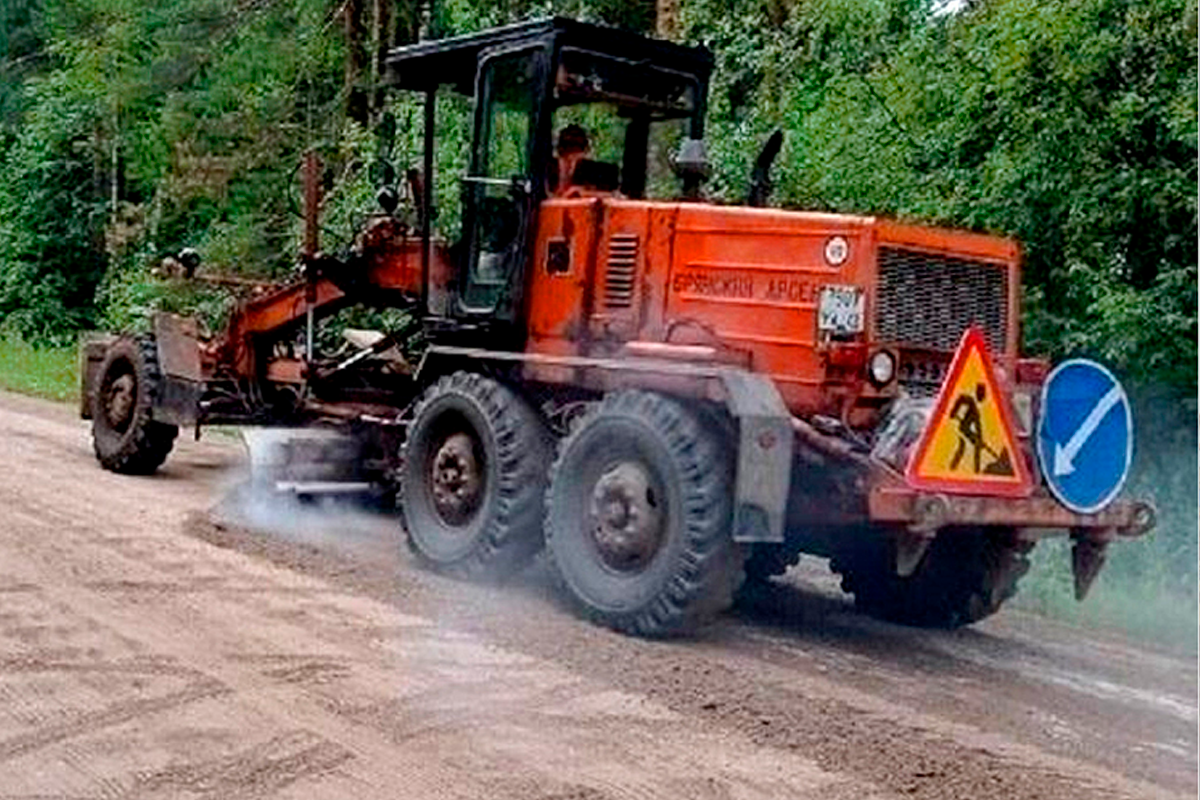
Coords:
968,445
970,432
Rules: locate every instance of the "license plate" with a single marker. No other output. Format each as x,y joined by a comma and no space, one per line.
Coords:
840,310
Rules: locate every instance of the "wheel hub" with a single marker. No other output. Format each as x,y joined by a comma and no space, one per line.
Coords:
625,523
118,406
456,479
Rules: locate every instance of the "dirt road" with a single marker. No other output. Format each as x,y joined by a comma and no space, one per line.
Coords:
154,645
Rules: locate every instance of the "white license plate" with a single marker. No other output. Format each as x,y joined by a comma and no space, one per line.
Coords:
840,310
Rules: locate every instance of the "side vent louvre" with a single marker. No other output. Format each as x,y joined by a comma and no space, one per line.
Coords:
620,270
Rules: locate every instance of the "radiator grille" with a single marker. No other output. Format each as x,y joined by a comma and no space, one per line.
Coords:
928,301
620,270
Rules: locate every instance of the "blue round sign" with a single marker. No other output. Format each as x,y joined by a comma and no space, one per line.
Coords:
1084,435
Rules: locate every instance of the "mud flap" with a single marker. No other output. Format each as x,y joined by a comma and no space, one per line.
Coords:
910,551
764,459
91,356
178,344
1087,558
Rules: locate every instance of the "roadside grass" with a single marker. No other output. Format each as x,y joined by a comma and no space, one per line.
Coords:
50,372
1140,608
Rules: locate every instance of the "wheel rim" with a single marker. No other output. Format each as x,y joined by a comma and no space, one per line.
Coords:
119,398
457,478
624,519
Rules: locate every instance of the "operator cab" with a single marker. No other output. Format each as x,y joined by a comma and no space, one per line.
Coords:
562,109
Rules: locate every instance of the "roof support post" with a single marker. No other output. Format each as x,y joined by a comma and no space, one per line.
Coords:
427,197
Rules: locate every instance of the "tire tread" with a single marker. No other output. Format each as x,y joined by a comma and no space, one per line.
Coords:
965,576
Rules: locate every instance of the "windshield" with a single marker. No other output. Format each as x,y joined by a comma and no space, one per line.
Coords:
616,124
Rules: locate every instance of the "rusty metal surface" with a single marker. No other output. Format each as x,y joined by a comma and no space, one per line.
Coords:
634,365
285,370
972,246
1087,559
312,204
830,445
91,356
906,506
389,273
749,280
350,410
177,401
178,346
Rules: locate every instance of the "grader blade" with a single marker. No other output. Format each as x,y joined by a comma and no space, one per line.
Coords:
305,462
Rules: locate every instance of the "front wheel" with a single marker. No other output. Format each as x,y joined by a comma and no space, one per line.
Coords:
124,436
639,516
964,576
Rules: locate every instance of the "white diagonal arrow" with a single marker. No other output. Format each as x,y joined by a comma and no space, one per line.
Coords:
1064,455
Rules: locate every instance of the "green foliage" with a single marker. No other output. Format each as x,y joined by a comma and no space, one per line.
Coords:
1165,473
21,52
463,16
1148,587
1069,125
329,333
153,127
130,298
1144,610
51,217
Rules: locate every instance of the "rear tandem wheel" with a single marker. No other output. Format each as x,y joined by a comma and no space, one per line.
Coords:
474,478
639,515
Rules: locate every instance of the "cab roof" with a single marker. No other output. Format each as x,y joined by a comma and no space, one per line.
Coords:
426,65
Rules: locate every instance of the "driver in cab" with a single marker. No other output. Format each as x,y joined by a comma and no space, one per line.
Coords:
572,147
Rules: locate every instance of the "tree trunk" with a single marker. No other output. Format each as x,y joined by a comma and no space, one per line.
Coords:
666,19
384,38
357,62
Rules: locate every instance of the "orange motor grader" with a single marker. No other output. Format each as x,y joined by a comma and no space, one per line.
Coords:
669,395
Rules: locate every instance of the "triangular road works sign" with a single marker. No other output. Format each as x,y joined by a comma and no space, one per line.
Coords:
969,445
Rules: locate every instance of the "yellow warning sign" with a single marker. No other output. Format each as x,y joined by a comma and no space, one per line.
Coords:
969,445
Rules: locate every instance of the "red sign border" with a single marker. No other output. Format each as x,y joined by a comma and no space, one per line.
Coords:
972,338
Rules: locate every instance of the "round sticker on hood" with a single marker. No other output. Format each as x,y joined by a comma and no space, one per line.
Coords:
837,250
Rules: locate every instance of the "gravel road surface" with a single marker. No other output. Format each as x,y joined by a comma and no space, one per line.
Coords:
163,637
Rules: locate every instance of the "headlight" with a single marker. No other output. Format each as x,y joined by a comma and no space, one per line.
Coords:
882,368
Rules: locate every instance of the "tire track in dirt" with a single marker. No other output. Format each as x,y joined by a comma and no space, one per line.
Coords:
116,714
258,771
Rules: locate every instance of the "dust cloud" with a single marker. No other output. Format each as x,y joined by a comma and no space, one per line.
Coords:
356,535
352,524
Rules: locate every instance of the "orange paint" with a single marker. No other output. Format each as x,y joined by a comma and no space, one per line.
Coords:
744,281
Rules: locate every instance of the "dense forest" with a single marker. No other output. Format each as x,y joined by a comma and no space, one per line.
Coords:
132,128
